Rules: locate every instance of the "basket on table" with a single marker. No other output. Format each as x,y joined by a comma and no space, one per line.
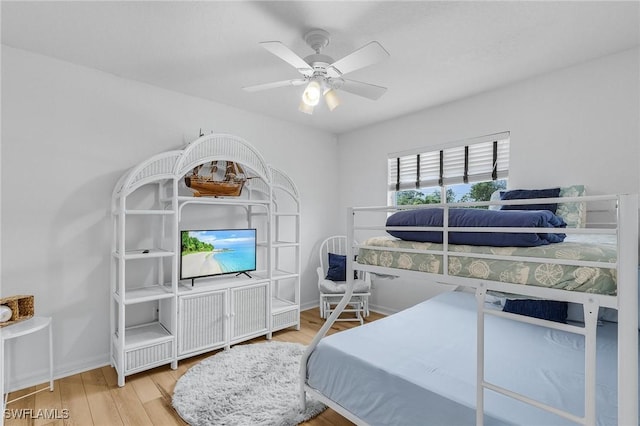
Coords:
22,308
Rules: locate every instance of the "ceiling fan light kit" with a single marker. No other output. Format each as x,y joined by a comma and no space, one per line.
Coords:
323,75
311,95
307,109
332,100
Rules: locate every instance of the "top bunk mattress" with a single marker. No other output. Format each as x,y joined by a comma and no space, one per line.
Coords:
419,367
596,248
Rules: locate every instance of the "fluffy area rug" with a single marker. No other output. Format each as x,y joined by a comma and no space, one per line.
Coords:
254,384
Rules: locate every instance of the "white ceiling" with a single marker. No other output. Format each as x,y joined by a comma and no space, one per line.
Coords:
440,50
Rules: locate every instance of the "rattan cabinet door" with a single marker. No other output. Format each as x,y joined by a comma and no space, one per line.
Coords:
249,311
201,321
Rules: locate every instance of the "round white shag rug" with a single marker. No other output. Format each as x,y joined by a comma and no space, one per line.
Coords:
256,384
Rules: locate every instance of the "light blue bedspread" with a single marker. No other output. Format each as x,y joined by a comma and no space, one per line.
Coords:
418,367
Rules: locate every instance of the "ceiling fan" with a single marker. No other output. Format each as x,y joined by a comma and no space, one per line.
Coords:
322,75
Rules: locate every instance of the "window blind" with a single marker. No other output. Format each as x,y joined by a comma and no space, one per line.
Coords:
481,159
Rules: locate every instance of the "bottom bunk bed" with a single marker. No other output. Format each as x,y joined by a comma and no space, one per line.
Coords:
418,367
458,359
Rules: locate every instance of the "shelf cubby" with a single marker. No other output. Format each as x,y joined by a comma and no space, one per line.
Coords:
147,293
152,253
149,212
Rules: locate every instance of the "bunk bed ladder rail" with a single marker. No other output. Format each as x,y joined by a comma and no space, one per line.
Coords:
627,309
335,313
627,232
590,307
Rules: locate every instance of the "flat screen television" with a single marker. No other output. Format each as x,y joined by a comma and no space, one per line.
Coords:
210,252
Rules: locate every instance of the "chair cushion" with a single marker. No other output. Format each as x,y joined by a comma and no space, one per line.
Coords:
339,287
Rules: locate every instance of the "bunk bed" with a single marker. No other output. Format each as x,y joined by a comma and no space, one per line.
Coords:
459,358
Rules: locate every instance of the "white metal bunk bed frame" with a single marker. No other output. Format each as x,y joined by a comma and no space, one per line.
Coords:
625,301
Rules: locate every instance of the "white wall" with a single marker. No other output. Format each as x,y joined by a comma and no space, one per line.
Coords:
68,133
578,125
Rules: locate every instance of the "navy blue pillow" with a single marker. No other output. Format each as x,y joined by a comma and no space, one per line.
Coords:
337,267
523,194
551,310
543,219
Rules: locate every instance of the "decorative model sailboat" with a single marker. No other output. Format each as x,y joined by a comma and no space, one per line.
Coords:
217,183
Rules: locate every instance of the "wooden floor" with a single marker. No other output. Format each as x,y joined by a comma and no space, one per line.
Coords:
94,398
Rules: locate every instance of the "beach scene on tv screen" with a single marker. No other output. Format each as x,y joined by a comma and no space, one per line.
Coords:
217,252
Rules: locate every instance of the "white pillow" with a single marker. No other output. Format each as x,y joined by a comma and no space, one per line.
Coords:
495,196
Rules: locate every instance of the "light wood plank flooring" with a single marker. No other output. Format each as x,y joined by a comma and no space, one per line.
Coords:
94,398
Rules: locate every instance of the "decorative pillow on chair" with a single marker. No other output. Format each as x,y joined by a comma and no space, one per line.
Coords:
523,194
337,270
337,267
551,310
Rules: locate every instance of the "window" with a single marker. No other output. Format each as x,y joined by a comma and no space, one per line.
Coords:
469,170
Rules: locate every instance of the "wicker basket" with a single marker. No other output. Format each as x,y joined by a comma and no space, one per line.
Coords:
21,306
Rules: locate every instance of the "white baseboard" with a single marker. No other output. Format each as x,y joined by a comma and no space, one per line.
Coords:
374,308
309,305
382,310
61,370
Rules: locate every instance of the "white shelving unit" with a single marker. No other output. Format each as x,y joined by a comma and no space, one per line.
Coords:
157,320
285,308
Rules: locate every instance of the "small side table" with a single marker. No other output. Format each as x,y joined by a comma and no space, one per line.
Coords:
23,328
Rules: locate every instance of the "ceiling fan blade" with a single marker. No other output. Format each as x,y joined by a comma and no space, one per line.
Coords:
288,55
367,55
370,91
275,84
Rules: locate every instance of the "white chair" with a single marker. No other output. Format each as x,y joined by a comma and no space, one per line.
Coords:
331,292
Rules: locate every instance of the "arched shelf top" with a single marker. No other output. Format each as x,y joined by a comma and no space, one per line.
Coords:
259,186
282,181
222,147
159,167
175,164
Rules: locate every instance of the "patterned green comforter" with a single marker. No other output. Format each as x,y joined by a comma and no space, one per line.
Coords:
572,278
